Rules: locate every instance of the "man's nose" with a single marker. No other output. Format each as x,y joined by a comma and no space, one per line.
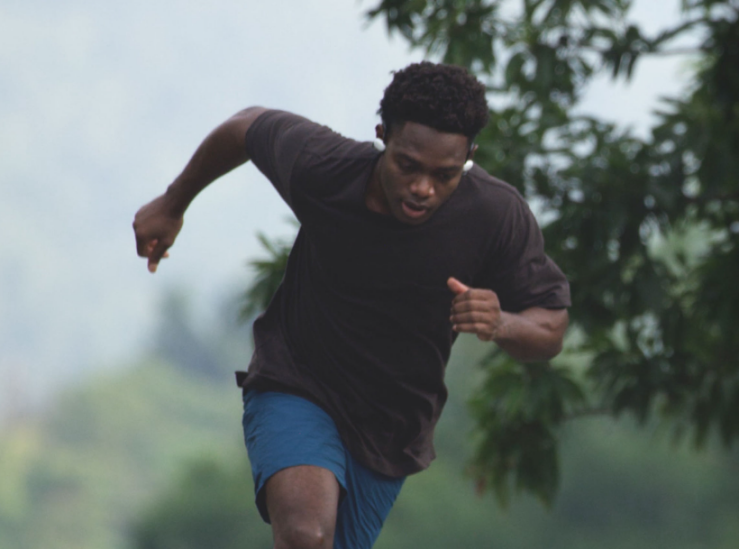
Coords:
423,187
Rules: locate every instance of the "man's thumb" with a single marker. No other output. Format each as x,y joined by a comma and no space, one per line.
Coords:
456,286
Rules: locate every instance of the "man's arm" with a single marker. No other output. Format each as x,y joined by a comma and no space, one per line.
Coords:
157,224
530,335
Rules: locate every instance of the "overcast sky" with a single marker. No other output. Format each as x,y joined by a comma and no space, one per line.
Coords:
102,103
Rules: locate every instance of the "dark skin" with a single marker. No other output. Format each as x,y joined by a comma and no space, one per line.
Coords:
302,503
419,171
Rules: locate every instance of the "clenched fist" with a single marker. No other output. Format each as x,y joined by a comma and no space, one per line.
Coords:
475,311
156,227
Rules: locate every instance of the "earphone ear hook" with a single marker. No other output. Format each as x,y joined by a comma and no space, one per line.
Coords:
469,163
379,142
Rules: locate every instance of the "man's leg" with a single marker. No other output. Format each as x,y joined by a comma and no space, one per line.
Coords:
298,464
307,485
302,503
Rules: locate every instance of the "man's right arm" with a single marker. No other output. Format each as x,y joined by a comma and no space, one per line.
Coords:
157,224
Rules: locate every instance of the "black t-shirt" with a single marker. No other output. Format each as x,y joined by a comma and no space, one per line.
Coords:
360,324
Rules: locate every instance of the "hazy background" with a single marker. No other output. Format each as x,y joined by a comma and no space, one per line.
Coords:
102,103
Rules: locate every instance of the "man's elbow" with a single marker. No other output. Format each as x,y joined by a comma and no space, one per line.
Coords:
553,349
542,353
556,328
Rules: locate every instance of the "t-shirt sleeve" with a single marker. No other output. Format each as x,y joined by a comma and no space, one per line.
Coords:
298,156
274,142
518,269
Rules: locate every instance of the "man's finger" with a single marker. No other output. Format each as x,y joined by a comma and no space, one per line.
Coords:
470,303
456,286
472,317
468,327
477,298
150,250
143,246
479,330
157,253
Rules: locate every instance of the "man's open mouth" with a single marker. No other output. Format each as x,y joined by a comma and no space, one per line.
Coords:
413,210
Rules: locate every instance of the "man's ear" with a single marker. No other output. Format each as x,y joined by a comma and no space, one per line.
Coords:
471,153
380,132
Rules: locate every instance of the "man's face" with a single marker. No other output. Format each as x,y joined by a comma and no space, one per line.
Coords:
419,171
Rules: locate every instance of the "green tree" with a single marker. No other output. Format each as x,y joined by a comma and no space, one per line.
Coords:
655,320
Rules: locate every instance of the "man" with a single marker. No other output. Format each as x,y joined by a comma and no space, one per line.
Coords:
402,246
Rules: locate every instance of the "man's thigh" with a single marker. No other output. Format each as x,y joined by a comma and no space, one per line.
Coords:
283,431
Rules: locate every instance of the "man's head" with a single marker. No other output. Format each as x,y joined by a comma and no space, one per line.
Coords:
444,97
430,116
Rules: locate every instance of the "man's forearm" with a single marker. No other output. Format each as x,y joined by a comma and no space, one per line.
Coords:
157,224
532,335
220,152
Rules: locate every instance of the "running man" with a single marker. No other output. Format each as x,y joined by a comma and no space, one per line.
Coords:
404,243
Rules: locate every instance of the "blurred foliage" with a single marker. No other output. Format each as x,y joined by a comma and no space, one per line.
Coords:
516,407
208,507
72,476
268,274
656,324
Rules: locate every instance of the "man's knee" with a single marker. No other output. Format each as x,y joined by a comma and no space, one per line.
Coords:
304,536
302,503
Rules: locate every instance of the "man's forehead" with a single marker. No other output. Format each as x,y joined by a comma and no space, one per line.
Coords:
413,138
411,125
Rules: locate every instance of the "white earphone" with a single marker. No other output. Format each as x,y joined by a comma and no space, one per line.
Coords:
467,166
379,144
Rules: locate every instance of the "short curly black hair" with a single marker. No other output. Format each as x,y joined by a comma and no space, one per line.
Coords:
444,97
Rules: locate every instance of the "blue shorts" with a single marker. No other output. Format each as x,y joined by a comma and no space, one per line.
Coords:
282,430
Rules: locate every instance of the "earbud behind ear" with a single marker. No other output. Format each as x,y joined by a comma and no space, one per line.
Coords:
467,166
379,144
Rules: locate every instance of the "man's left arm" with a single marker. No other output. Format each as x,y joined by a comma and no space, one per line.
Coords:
533,334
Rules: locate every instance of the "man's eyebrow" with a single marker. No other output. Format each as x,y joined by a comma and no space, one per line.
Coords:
406,157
